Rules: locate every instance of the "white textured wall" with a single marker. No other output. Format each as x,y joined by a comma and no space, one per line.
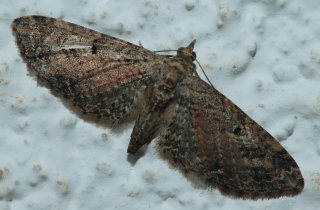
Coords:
51,159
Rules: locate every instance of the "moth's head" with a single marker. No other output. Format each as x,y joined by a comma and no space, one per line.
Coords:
187,51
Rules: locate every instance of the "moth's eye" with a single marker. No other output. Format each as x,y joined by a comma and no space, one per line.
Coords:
194,56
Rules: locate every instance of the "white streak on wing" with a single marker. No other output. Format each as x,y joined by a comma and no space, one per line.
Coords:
75,46
81,48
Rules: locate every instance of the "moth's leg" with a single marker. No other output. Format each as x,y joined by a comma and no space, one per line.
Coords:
140,44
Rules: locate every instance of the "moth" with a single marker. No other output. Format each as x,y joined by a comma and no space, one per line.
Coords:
199,131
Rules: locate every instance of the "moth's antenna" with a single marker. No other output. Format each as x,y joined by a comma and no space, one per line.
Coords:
204,73
169,56
165,51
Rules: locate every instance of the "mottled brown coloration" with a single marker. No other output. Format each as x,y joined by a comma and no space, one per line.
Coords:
202,133
101,75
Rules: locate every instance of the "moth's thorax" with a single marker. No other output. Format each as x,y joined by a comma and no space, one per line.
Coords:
177,68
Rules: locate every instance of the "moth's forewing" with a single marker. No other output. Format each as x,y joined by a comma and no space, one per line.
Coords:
99,75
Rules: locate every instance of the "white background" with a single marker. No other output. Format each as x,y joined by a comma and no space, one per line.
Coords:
51,159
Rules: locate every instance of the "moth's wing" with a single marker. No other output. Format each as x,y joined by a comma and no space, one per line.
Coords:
209,137
99,74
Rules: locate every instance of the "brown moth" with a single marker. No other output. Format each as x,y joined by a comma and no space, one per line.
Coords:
201,132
